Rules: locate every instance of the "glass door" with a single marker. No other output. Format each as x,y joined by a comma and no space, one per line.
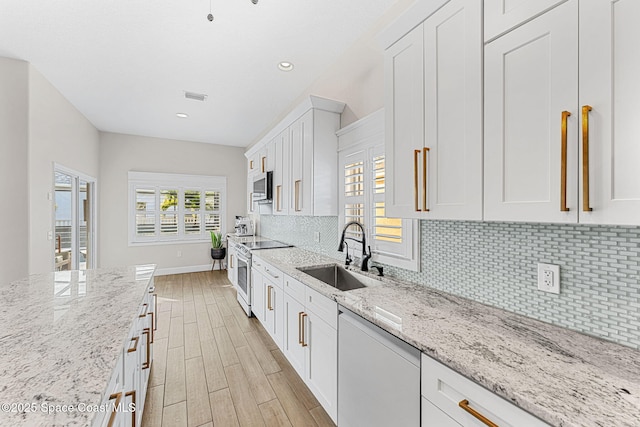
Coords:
74,220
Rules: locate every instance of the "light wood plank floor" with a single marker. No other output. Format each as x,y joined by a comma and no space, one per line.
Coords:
214,366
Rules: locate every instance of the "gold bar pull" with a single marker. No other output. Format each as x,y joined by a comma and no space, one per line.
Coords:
300,341
231,260
563,163
279,198
263,160
147,363
152,316
132,393
464,404
155,305
269,307
304,344
134,340
297,198
416,154
425,151
117,397
144,313
585,158
250,164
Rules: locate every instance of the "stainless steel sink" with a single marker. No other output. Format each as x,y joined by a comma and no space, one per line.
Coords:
336,276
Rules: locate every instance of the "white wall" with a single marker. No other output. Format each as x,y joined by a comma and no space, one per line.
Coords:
57,133
120,154
14,250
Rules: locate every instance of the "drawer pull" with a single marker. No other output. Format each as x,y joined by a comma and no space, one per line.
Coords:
269,306
144,313
152,322
147,363
416,153
300,327
425,151
132,393
117,397
134,340
464,404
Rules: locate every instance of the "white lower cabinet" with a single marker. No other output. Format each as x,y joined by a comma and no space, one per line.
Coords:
450,399
268,298
311,341
127,389
257,294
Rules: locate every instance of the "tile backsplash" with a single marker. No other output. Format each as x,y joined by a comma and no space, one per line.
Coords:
496,264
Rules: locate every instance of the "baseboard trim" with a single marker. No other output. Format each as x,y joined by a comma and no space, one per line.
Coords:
187,269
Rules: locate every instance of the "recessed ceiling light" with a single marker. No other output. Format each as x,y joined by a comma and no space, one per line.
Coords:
285,66
182,115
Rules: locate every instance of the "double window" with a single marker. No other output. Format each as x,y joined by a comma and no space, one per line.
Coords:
362,198
175,208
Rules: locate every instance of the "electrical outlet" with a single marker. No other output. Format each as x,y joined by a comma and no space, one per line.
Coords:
316,236
549,278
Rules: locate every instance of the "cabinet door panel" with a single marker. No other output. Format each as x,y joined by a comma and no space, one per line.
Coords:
281,174
609,70
502,15
404,130
292,348
321,367
530,79
453,110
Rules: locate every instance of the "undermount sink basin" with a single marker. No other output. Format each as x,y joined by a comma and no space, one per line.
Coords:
336,276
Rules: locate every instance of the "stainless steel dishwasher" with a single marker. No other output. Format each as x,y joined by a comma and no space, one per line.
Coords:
378,376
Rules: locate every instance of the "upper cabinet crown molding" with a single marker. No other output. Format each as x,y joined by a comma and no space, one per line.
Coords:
313,102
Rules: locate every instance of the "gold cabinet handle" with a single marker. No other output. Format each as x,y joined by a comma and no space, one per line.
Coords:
464,404
250,164
563,163
300,341
278,198
425,150
134,340
155,306
304,344
269,307
231,260
117,397
132,393
297,195
144,313
585,158
152,316
147,363
416,154
263,161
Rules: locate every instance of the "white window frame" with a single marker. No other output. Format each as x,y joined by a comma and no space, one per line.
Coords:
363,140
181,183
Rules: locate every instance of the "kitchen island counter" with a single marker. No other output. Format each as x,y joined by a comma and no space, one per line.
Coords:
563,377
61,336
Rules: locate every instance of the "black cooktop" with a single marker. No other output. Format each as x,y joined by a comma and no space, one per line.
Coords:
265,244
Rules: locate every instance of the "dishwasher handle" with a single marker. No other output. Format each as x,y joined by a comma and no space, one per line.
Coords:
397,345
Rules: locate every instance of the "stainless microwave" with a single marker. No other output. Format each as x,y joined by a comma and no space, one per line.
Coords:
263,187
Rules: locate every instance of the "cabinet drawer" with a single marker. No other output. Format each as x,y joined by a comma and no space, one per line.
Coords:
321,306
294,288
269,272
432,416
446,388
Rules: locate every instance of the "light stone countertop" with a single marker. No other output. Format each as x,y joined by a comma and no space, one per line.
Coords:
61,335
564,377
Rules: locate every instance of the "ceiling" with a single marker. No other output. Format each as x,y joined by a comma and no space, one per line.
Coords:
125,64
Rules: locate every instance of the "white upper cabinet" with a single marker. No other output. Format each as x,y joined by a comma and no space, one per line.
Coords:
433,104
302,151
530,79
610,85
281,173
502,15
560,108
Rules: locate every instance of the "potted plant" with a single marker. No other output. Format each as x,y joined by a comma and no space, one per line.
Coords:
218,251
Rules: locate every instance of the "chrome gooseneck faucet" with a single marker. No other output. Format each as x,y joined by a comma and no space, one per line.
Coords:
364,266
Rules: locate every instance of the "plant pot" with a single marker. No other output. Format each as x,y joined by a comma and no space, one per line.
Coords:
218,253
